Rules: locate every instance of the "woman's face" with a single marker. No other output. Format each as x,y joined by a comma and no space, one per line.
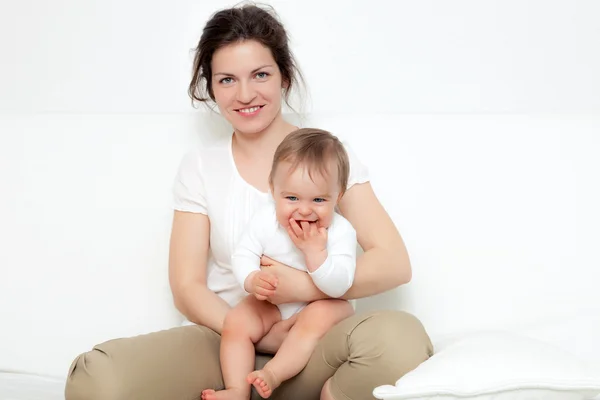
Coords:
247,86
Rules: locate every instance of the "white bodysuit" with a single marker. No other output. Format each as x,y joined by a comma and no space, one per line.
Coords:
208,182
264,235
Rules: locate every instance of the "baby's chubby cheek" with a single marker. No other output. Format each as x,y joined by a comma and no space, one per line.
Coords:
283,219
324,222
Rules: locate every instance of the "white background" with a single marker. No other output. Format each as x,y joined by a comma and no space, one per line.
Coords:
479,121
426,56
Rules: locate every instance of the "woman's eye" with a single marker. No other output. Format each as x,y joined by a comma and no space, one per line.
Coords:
226,80
292,198
262,75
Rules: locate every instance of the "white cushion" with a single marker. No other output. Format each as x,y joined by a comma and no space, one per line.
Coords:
498,366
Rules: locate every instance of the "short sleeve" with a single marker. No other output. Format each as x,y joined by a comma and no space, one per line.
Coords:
359,173
188,188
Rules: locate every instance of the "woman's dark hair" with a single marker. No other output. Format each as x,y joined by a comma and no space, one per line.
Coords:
233,25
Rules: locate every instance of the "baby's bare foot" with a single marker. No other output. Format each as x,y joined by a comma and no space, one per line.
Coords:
227,394
264,381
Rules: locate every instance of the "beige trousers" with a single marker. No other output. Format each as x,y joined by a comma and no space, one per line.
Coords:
361,352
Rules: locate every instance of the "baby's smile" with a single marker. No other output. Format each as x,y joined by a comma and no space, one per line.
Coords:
298,221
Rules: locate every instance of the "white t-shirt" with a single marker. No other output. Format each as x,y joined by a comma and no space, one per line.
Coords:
264,235
208,182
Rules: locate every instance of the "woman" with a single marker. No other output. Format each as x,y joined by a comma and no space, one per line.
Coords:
244,65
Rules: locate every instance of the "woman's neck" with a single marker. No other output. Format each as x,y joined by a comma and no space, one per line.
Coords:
262,144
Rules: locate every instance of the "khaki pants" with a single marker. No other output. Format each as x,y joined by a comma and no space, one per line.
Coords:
361,352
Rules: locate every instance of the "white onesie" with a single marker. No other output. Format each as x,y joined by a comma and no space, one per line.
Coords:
208,182
264,235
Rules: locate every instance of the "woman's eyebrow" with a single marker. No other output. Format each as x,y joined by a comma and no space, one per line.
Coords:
253,71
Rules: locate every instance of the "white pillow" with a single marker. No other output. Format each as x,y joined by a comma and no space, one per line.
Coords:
498,366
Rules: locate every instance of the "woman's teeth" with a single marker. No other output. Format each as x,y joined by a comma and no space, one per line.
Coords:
249,110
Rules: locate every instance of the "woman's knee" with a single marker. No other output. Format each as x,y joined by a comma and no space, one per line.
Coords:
184,359
91,376
395,338
397,333
400,331
385,345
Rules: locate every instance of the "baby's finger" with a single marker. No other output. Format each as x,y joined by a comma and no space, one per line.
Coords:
265,261
290,229
292,235
305,228
296,228
264,291
314,231
260,297
265,285
269,279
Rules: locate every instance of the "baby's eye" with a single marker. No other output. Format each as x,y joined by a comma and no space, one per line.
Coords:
319,200
291,198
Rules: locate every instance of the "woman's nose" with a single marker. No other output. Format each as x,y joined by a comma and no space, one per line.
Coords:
245,93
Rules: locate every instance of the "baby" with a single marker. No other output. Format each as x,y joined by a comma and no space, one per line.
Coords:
301,229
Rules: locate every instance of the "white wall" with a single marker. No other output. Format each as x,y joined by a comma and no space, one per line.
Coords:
483,115
426,56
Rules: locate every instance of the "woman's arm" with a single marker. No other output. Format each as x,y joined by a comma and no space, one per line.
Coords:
293,285
188,257
384,264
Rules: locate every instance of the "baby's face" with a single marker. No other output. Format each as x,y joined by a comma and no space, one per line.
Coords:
301,198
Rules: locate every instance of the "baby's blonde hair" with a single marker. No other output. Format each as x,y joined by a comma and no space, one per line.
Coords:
313,148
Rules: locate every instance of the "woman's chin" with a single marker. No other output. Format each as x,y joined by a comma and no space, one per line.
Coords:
251,128
249,131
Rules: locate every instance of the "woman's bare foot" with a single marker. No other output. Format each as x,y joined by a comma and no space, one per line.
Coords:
264,381
227,394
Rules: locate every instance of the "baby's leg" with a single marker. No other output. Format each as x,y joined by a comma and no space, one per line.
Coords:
312,323
244,325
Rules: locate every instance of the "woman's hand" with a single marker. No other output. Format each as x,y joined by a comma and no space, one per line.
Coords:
292,285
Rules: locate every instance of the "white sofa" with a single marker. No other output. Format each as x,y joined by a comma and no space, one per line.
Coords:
500,215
